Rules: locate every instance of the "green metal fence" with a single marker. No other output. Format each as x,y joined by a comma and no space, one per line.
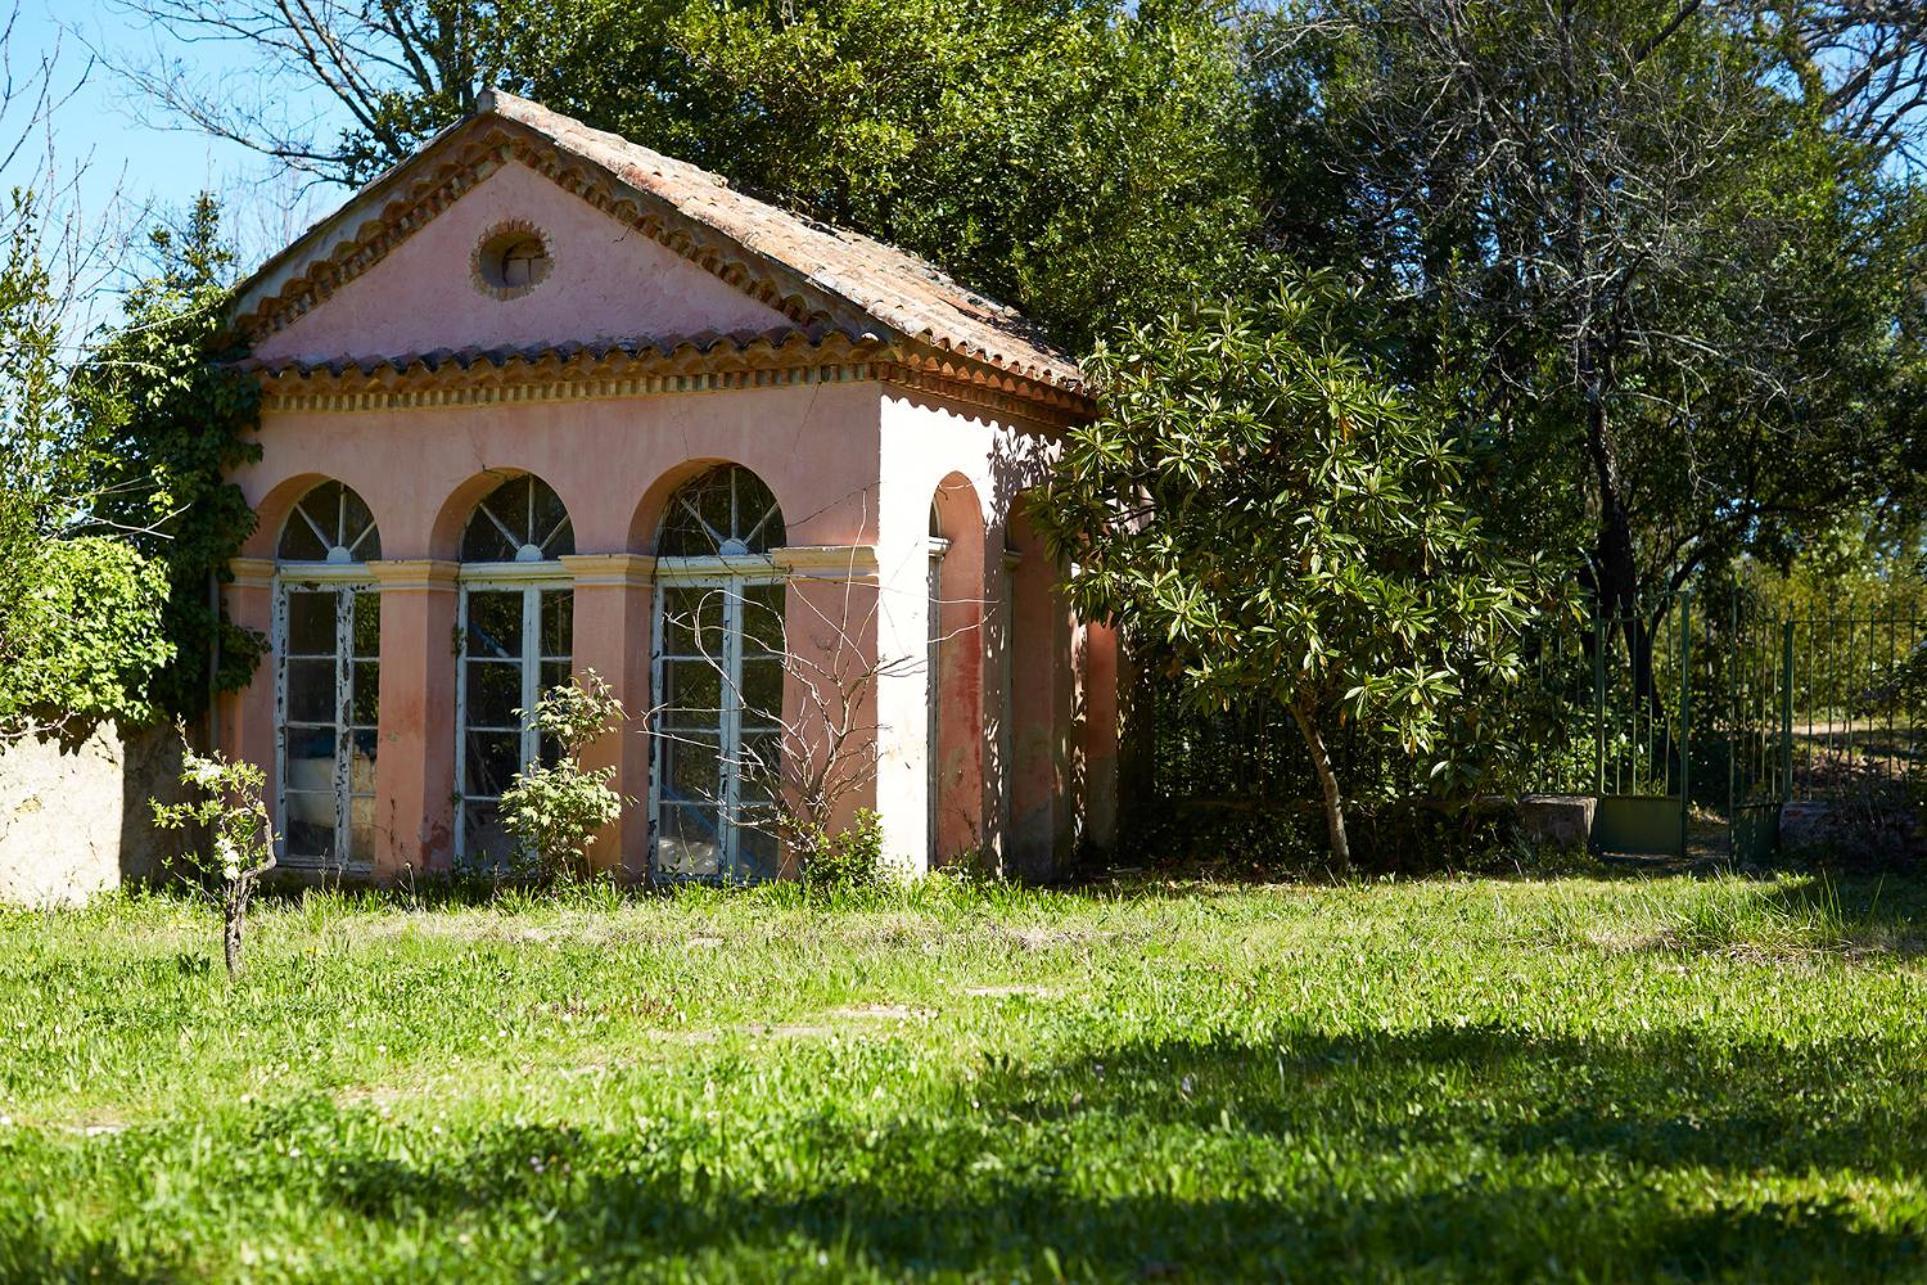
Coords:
1707,716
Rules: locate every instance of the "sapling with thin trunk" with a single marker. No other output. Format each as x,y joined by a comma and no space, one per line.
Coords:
234,816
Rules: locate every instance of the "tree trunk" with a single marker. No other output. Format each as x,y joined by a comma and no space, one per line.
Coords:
234,913
1328,782
1616,568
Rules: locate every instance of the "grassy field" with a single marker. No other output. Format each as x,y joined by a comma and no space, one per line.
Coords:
1600,1080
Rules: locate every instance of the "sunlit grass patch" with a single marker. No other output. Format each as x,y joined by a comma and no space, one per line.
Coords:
1452,1078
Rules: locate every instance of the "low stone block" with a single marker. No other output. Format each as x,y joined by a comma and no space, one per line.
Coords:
1561,820
1808,828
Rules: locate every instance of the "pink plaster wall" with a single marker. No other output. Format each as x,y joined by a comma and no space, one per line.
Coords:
608,281
420,470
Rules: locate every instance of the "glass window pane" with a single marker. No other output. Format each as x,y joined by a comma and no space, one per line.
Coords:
759,764
757,854
691,769
310,758
495,623
493,694
762,691
299,543
366,709
358,534
491,761
687,609
689,843
311,691
551,531
692,692
759,522
367,629
483,838
361,761
310,825
554,673
361,830
499,526
311,622
762,613
558,622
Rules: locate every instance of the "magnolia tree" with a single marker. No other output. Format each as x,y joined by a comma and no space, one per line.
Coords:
554,807
234,816
1256,499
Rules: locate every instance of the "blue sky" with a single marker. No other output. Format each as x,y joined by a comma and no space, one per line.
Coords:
136,168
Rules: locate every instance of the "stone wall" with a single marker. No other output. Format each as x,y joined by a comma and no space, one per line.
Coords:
74,820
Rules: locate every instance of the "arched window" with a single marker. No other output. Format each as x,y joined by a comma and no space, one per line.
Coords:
720,666
330,524
726,511
328,652
522,520
516,631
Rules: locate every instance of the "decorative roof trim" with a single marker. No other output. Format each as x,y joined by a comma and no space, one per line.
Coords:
413,204
647,368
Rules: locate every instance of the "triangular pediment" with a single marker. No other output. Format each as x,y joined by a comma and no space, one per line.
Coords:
435,288
639,248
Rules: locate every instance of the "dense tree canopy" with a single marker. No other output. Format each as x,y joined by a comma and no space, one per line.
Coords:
80,628
1670,285
1083,161
170,420
1644,277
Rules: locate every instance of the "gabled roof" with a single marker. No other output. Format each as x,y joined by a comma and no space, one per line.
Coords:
822,278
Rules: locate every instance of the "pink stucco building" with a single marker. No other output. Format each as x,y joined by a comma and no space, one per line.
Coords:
540,400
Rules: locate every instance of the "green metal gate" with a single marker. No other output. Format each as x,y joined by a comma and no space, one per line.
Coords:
1643,729
1708,719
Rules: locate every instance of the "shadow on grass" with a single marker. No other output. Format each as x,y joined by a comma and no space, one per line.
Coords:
1461,1152
1481,1152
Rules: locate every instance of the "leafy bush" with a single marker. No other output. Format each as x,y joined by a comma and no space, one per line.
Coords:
1263,504
84,638
554,809
849,858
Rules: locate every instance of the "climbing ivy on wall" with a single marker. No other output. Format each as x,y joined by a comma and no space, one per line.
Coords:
176,417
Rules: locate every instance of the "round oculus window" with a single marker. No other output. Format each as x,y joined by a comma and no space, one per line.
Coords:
512,260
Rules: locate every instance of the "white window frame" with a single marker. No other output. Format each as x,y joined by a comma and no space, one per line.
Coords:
531,580
727,573
347,581
933,703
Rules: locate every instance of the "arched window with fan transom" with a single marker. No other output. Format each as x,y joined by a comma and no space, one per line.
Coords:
720,665
516,638
328,681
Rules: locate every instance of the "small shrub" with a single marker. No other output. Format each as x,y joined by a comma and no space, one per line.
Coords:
235,817
553,810
850,858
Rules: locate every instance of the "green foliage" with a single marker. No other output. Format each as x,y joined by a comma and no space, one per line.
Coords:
553,809
87,637
1084,161
233,814
1704,1079
80,633
847,860
1675,302
173,419
1259,503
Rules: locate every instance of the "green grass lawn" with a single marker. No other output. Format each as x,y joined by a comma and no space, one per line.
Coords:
1597,1079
